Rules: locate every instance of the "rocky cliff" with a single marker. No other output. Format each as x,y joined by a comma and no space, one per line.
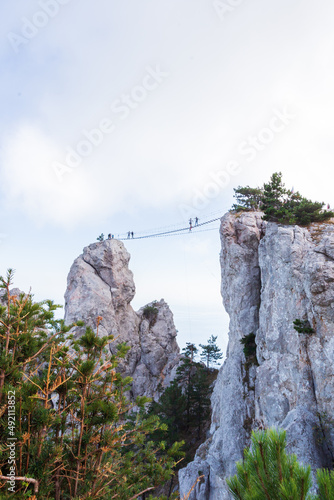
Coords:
100,284
271,276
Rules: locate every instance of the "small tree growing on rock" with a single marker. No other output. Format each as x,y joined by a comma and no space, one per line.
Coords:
249,343
303,326
151,313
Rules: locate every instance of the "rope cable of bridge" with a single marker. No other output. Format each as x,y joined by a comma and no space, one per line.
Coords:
169,229
183,230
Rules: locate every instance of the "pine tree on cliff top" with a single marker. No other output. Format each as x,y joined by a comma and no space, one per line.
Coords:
279,204
247,198
273,197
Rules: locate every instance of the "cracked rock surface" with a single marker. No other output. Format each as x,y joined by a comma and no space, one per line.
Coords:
100,284
271,276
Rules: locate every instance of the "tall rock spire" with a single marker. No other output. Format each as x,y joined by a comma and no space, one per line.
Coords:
100,284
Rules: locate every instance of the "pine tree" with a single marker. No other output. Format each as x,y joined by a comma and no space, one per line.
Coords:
200,403
211,353
268,473
171,410
308,211
195,381
190,351
279,204
75,430
247,198
325,480
273,198
184,376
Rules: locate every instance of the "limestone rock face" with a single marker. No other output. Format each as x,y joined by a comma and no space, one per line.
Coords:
100,284
13,292
271,276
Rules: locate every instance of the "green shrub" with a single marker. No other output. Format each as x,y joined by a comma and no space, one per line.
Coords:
269,473
303,326
248,341
150,313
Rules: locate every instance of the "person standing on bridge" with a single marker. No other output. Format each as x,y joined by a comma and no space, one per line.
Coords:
196,221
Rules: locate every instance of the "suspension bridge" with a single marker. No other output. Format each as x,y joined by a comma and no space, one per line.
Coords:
174,230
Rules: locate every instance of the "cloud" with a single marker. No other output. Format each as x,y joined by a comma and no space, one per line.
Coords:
116,177
29,183
225,79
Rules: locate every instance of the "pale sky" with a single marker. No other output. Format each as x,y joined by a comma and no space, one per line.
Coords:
127,115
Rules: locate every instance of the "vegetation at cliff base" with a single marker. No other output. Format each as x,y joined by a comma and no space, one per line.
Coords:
269,473
184,405
74,430
279,204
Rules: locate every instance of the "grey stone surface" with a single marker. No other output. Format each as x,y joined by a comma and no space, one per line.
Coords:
13,292
100,284
272,275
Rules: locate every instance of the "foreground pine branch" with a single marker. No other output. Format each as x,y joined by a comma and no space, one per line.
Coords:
269,473
66,423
